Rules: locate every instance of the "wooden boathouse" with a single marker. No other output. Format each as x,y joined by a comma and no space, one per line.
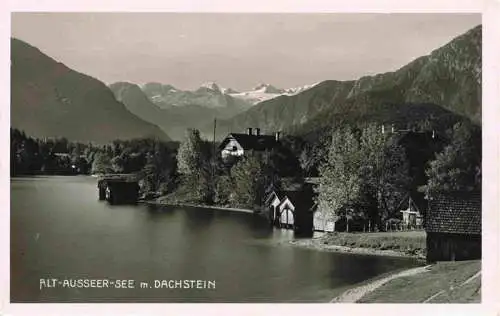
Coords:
453,227
118,188
291,209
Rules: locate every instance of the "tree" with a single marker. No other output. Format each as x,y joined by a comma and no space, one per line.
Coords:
385,173
159,168
249,179
458,166
101,163
307,159
364,175
340,181
189,156
223,190
195,163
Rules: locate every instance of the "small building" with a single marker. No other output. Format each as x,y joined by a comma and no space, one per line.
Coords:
236,144
296,211
286,213
412,218
118,188
272,202
453,226
322,222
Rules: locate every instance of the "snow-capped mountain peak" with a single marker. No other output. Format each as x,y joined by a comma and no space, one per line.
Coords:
263,92
267,88
210,85
296,90
228,90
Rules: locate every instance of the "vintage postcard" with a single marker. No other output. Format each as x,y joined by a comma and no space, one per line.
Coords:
188,157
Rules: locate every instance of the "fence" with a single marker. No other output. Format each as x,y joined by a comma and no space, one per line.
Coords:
402,227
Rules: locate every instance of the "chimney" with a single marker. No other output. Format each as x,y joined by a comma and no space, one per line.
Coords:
433,134
249,131
383,129
257,131
277,136
392,128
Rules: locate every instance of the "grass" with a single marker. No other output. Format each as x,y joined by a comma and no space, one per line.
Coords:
443,276
408,242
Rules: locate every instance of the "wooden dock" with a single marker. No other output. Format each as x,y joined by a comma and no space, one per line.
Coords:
118,188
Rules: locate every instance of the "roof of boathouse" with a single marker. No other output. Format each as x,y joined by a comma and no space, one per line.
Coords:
457,213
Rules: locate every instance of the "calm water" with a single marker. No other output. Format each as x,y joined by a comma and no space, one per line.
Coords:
60,230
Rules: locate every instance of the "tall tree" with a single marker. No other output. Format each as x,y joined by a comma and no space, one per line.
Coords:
159,169
101,163
194,163
248,178
340,181
365,174
458,166
385,172
189,157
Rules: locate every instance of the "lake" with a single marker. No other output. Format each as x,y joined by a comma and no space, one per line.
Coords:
59,230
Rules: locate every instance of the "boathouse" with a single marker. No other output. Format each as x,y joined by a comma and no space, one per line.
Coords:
453,227
272,202
118,188
296,211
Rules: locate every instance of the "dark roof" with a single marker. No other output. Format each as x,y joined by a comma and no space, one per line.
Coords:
252,142
455,213
270,195
288,184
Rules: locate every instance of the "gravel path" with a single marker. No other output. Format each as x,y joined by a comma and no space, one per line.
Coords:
355,294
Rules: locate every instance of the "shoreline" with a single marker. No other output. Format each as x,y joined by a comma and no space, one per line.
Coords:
158,203
316,243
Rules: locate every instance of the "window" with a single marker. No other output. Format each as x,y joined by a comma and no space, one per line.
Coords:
235,148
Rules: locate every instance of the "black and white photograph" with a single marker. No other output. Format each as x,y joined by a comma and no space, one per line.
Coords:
189,157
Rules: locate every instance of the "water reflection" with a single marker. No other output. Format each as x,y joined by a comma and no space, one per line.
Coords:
81,237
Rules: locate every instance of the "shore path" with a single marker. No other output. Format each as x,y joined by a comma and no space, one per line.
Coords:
355,294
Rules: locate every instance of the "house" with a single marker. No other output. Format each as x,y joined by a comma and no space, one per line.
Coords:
296,211
236,144
412,216
453,226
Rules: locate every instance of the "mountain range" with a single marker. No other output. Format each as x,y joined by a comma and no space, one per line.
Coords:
263,92
49,99
192,109
174,110
211,95
208,95
444,84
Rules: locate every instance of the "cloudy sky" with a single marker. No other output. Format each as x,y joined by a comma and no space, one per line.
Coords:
236,50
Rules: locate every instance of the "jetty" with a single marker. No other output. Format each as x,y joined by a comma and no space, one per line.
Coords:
118,188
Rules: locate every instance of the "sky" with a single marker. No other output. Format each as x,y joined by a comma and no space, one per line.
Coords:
236,50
